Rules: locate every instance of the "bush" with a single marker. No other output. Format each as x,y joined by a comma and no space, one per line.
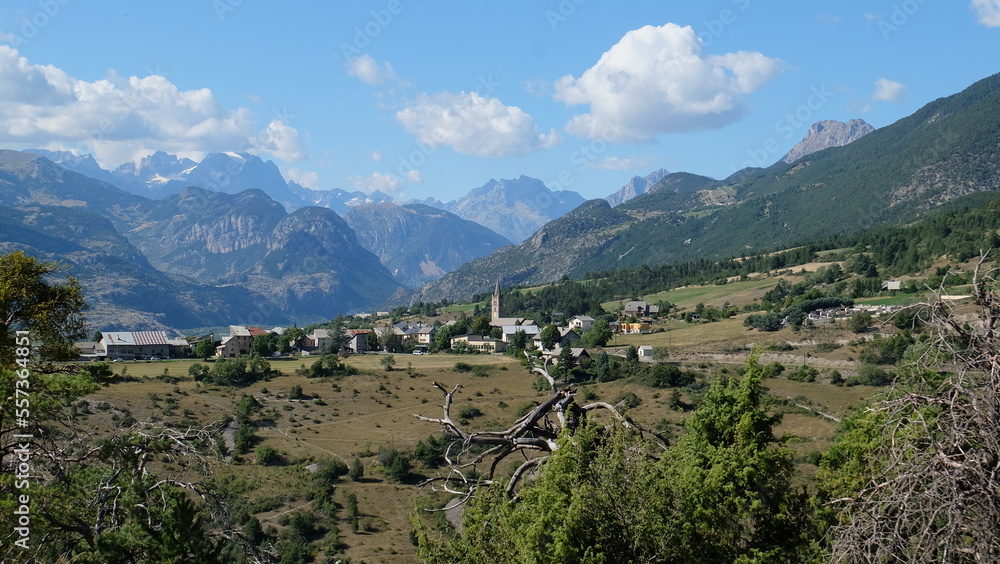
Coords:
356,470
295,392
267,456
803,374
772,369
870,375
331,469
395,466
665,376
469,412
628,400
462,367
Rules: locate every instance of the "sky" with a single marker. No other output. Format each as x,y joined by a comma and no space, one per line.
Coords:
431,99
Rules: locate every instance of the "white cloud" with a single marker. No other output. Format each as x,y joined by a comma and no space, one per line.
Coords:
123,119
658,80
382,182
623,163
474,125
369,71
413,176
376,156
307,178
987,12
282,141
889,91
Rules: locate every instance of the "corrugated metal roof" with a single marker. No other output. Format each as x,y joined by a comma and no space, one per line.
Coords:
135,338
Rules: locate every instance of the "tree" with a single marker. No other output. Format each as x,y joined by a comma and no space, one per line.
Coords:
859,322
519,340
97,336
264,345
549,336
480,326
914,476
294,337
372,341
599,335
565,363
204,349
612,493
733,479
50,310
388,362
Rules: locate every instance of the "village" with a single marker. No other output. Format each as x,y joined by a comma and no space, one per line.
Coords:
635,317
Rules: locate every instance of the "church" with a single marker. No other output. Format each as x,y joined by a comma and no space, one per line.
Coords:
497,307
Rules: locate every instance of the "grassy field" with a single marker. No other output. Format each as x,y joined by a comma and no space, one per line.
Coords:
354,416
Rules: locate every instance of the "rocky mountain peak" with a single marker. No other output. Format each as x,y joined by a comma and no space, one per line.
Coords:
828,133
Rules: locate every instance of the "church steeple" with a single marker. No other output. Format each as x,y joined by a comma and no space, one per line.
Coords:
497,304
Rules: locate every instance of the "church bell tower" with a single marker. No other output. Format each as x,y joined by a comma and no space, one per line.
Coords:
497,302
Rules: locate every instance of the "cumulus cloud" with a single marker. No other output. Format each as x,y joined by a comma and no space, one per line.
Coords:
376,156
987,12
474,125
282,141
369,71
658,80
123,119
889,91
382,182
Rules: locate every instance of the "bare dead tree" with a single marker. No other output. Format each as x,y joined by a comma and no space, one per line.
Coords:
935,494
474,457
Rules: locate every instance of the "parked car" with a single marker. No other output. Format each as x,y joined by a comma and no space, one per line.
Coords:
118,360
155,358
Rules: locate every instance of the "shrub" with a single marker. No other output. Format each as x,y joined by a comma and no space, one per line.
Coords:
628,400
462,367
803,374
267,456
469,412
357,469
870,375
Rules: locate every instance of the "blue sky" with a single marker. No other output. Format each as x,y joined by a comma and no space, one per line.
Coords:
424,99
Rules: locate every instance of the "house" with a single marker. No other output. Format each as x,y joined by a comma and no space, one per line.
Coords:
229,348
578,354
530,332
641,309
318,340
892,285
357,341
634,328
480,343
133,345
423,334
179,348
581,323
566,336
87,350
239,342
646,351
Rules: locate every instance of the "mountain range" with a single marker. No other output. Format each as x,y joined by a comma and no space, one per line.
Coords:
948,149
195,259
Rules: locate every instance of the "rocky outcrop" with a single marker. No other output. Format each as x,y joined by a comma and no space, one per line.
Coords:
826,134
